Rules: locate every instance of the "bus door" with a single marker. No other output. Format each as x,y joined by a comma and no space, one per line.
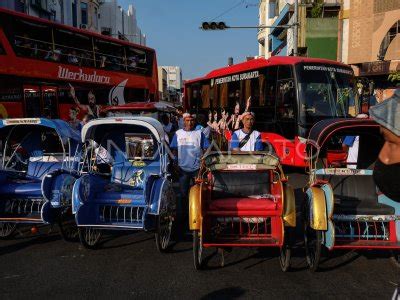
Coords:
32,101
50,103
286,124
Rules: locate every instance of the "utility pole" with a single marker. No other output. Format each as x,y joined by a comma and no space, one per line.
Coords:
296,27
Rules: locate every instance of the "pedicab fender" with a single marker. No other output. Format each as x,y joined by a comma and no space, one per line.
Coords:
195,207
57,187
158,189
317,208
289,211
84,189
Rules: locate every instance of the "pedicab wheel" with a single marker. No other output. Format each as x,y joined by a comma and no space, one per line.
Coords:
312,245
286,251
89,237
7,229
68,230
395,258
197,250
164,230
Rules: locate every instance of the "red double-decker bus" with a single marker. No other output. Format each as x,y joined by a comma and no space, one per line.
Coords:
288,95
56,71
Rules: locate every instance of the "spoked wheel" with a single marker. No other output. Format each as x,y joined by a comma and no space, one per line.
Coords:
197,250
164,229
7,229
286,251
68,229
89,236
312,244
396,258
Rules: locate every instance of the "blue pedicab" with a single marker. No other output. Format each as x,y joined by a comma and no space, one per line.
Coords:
40,161
128,185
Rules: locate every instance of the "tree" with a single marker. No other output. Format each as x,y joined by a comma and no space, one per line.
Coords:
394,77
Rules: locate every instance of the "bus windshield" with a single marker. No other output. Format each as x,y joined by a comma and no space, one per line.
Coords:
325,91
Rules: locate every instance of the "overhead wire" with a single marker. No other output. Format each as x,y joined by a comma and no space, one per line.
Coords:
228,10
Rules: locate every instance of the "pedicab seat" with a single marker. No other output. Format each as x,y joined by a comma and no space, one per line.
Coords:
356,195
127,182
240,192
31,184
241,205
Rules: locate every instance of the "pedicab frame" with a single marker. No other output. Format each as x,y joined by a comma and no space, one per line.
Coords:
42,193
333,215
148,207
267,226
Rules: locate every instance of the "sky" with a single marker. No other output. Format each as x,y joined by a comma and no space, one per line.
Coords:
172,29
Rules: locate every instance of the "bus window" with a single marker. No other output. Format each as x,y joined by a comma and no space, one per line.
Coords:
325,91
109,56
286,103
49,102
234,94
75,48
139,61
270,87
30,39
205,97
32,102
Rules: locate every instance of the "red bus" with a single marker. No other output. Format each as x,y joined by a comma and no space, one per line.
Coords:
56,71
288,95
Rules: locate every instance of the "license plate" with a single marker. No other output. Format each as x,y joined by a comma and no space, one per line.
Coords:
242,167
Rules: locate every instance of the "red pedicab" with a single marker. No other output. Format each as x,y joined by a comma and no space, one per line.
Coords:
241,199
343,208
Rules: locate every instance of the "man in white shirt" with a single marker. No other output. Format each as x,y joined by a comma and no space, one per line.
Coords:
188,145
246,139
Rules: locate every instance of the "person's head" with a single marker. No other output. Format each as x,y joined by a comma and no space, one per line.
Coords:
201,119
387,166
237,108
179,111
86,119
222,113
91,98
73,113
387,114
248,121
189,121
215,115
165,119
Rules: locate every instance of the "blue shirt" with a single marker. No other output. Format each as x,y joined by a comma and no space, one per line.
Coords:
349,140
189,145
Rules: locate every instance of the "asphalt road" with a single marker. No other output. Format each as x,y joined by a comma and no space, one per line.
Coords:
128,265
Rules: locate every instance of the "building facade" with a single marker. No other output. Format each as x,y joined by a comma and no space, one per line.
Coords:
318,29
163,84
369,38
174,83
117,22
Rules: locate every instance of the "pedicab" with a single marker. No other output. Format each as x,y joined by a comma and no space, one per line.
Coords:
343,208
40,162
128,185
241,199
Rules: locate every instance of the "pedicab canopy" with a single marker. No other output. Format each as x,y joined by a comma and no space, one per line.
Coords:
241,161
63,129
97,128
322,131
